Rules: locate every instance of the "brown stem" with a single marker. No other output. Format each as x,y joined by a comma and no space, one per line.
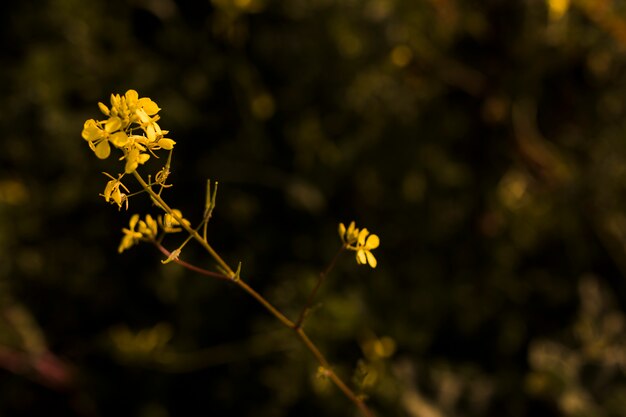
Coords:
190,266
232,276
319,356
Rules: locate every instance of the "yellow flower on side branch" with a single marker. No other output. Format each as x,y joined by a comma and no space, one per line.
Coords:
170,224
360,241
146,230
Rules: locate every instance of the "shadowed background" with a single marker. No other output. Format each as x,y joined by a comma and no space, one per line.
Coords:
484,142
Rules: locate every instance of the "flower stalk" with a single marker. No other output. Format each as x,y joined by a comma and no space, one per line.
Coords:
132,127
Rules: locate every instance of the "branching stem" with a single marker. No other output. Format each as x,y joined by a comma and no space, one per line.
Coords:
319,356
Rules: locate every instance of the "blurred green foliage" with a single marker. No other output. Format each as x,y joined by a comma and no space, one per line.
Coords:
484,142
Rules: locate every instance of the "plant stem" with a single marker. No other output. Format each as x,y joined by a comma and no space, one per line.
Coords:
230,275
318,284
185,226
319,356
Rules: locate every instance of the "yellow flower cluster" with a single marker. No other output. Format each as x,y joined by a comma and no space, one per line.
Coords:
131,126
148,228
360,241
145,229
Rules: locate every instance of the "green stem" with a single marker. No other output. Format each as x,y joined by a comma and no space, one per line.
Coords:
185,226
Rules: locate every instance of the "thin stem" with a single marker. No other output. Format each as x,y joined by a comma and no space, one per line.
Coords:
318,284
189,266
185,226
231,276
332,375
280,316
319,356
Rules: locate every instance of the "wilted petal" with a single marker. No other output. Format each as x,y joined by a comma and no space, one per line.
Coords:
108,190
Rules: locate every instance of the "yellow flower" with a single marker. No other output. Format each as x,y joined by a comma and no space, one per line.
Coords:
146,229
131,236
365,244
350,235
360,241
170,224
149,125
134,157
125,107
112,192
99,137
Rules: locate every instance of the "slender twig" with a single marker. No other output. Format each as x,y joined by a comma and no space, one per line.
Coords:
320,280
319,356
185,226
190,266
235,278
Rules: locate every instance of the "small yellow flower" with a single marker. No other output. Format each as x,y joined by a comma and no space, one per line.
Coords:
149,125
170,224
125,107
131,237
134,157
350,235
112,192
148,228
99,137
365,244
360,241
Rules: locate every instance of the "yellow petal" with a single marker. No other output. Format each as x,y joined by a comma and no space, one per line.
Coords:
117,196
113,124
149,106
350,229
103,150
143,116
142,158
342,231
371,260
372,242
362,234
150,133
166,144
108,190
119,139
91,131
133,221
361,258
131,96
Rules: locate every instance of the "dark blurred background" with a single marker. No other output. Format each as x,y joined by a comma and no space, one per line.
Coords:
483,141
